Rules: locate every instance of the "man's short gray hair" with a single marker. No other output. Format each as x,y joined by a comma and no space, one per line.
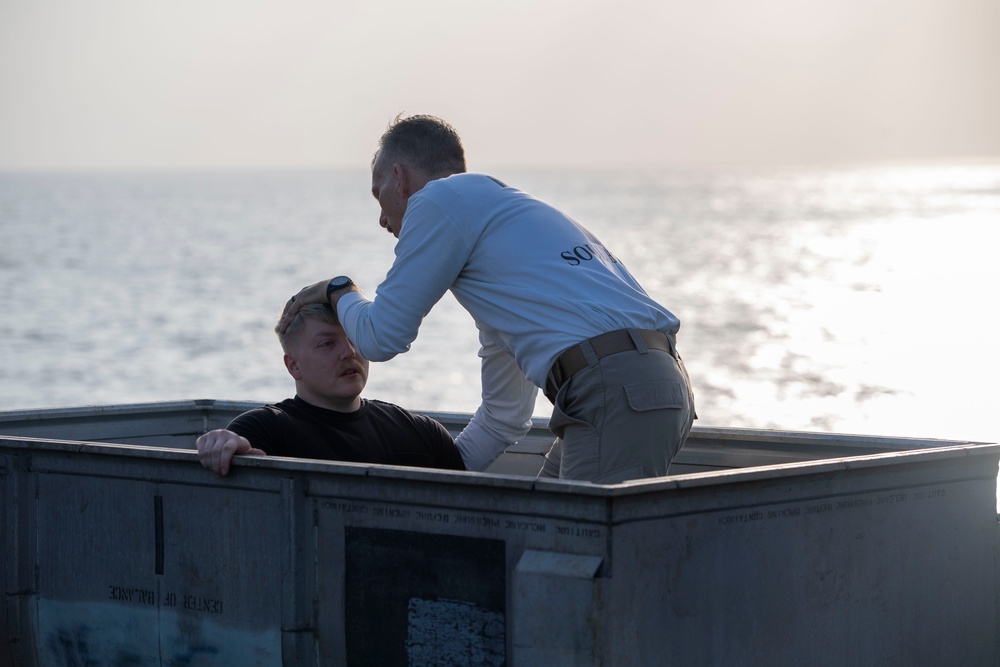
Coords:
430,143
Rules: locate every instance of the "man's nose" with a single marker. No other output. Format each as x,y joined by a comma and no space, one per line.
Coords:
350,350
382,220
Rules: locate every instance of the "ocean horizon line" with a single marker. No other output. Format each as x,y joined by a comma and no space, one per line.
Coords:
665,166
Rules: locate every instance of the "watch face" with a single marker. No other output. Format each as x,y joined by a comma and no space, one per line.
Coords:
340,282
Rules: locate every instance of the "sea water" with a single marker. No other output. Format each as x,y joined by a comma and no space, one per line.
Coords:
856,299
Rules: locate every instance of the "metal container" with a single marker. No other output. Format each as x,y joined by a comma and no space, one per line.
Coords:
787,549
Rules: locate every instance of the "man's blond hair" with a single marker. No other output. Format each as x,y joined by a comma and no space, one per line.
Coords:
317,311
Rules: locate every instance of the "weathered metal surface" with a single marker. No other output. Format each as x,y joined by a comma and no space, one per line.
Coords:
178,423
124,554
167,424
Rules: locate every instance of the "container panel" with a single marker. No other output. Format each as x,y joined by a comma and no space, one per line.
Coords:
132,572
557,609
902,573
415,598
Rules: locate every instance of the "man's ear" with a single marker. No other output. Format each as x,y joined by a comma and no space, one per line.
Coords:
401,174
292,366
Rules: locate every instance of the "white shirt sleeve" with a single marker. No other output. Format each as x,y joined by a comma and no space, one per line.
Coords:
432,250
504,416
430,253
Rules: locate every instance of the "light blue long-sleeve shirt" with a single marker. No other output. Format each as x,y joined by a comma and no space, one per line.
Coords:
534,281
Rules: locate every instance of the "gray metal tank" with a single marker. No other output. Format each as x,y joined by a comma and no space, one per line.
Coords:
782,549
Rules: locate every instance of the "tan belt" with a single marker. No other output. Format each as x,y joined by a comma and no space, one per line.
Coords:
573,360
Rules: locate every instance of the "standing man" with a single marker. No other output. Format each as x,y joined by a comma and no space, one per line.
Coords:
555,310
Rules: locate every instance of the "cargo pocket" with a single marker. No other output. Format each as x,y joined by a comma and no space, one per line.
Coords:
655,395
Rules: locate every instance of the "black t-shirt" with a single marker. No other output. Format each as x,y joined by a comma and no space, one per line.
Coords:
378,432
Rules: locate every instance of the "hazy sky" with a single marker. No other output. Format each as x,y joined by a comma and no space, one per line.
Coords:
262,83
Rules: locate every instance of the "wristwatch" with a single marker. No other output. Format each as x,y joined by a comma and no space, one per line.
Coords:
338,283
